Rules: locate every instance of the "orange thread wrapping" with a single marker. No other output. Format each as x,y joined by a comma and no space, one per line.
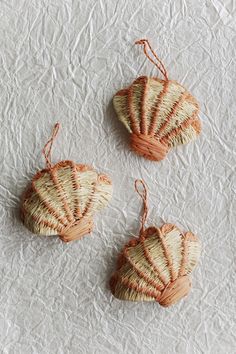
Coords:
155,266
141,273
156,108
148,147
159,114
59,202
133,121
143,220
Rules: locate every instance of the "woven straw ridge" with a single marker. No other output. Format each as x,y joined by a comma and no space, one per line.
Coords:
155,266
62,199
159,114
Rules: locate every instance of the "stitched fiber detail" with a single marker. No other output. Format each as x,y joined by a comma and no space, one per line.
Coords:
63,198
155,266
159,114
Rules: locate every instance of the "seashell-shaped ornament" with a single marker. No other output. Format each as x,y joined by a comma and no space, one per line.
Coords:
159,114
156,266
63,198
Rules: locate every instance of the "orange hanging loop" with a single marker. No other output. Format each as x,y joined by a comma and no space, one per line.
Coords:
159,64
48,146
143,195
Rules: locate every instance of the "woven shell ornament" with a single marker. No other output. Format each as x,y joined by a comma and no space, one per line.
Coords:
156,266
159,114
63,198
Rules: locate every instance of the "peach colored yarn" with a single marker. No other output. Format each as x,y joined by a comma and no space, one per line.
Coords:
63,198
159,114
156,265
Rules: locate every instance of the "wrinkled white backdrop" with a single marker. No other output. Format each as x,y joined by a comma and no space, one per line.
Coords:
63,61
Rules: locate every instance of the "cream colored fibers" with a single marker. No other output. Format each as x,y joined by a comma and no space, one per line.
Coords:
162,95
156,265
62,199
159,114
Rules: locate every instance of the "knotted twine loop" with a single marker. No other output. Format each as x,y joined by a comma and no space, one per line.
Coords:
160,66
143,195
48,146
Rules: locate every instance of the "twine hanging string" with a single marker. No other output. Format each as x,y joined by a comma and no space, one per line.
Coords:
160,66
48,146
143,195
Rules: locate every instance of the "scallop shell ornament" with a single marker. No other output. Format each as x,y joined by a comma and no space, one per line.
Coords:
159,114
63,198
156,266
